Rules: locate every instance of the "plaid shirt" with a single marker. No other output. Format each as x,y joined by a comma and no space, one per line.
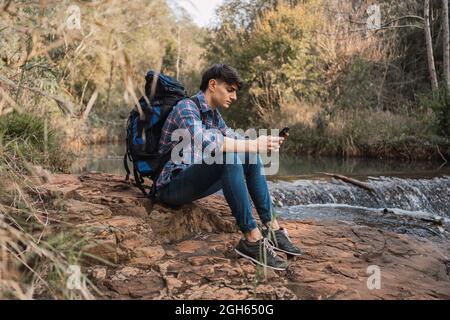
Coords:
186,115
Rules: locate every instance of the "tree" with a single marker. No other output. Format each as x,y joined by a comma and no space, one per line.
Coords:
446,46
429,44
273,49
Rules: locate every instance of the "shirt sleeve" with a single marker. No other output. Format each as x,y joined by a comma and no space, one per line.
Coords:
188,117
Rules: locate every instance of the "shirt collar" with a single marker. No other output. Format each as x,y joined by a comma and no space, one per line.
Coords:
204,107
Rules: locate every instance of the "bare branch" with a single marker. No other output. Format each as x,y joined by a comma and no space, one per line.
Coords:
90,104
65,105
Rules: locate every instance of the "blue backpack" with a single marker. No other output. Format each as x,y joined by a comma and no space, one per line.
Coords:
144,129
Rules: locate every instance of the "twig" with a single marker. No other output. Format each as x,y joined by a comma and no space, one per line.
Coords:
9,100
442,156
5,7
64,105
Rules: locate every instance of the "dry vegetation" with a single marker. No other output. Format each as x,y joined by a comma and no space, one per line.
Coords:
63,85
313,65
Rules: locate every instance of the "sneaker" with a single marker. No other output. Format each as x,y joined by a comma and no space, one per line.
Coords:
261,252
281,242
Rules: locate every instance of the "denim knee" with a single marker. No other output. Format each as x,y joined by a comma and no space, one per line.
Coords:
242,158
232,158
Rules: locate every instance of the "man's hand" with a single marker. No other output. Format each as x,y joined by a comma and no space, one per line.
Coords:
269,143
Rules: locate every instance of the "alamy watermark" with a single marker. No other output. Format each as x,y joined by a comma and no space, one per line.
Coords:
374,279
374,19
73,18
200,145
74,279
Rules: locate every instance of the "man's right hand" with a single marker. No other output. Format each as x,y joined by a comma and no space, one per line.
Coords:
268,143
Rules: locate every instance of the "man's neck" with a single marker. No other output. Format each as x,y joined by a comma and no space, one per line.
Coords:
208,99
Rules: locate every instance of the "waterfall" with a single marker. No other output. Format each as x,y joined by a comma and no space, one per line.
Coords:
415,195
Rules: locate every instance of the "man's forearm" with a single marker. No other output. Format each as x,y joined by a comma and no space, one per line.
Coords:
232,145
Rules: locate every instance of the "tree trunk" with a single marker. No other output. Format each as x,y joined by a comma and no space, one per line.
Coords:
428,40
108,95
178,52
446,54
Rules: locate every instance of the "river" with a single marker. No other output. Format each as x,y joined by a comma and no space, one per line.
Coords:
406,197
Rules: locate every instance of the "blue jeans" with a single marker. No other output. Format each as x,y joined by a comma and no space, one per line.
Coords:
237,178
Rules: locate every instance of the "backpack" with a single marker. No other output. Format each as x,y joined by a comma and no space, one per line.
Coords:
144,128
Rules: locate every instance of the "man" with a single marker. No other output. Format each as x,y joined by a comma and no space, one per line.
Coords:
181,183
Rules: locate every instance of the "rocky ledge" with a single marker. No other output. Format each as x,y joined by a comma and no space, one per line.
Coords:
137,250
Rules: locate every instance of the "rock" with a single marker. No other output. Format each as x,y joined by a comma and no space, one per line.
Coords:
99,273
229,294
103,249
129,272
154,253
123,222
173,283
188,253
86,210
171,267
272,293
132,210
342,270
174,225
132,240
62,187
189,246
140,286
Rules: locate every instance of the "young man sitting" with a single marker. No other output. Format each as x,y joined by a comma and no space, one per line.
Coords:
181,183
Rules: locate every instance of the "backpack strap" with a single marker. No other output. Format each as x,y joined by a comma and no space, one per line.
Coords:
127,154
197,103
125,165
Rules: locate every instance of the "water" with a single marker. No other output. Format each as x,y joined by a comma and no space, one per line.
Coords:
413,194
407,197
106,158
298,167
109,158
418,206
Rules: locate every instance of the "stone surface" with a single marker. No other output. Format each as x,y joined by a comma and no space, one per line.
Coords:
156,252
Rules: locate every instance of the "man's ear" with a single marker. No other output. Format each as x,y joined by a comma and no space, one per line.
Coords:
212,84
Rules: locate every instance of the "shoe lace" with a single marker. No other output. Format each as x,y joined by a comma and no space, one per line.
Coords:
287,235
266,244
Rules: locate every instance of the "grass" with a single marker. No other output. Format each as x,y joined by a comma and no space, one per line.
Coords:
376,134
35,251
32,138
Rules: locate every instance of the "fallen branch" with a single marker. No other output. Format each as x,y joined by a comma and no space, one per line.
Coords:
350,180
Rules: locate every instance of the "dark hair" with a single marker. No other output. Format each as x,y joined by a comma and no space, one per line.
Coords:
221,72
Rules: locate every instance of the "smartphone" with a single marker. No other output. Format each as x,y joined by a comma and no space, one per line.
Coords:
283,132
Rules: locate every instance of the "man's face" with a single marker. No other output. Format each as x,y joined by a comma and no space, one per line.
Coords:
222,93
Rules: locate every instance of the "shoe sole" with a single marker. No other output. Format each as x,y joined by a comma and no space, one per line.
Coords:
289,253
258,262
281,250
